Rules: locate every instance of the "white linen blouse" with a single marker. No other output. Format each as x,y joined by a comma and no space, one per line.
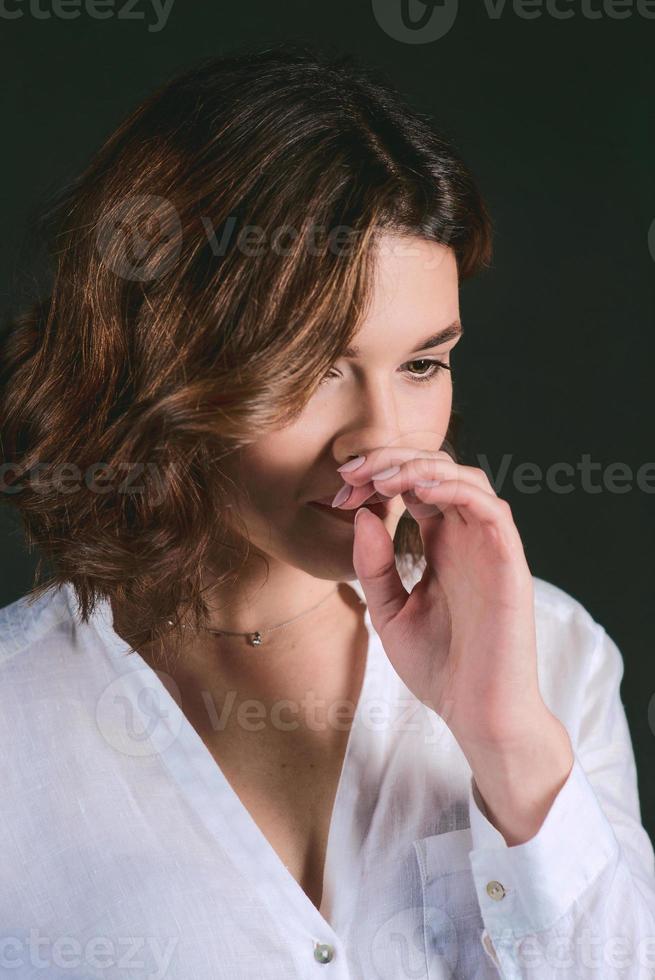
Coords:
127,854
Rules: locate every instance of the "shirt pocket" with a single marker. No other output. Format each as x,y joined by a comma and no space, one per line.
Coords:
452,922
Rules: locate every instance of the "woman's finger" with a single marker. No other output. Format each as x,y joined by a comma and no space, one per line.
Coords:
423,468
491,513
386,457
426,467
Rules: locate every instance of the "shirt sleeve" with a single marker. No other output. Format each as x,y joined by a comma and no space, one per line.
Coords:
577,900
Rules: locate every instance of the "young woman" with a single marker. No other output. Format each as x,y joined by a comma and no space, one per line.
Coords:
291,702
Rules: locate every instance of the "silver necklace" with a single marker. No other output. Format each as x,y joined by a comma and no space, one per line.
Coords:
255,638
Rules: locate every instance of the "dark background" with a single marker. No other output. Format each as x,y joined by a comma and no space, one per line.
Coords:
555,117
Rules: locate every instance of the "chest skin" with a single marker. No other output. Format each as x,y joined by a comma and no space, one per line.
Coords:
292,803
288,780
285,777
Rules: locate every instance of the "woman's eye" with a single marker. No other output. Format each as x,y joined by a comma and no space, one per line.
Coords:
434,368
428,373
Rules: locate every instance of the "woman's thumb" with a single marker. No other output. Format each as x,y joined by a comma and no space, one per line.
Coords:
375,566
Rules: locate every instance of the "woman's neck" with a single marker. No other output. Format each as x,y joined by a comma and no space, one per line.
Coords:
291,683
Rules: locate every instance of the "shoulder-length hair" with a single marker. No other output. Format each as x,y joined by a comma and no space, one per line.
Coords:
209,266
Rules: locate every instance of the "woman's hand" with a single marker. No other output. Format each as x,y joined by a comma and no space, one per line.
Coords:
464,640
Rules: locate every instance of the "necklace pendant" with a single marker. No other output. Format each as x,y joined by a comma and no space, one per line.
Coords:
256,639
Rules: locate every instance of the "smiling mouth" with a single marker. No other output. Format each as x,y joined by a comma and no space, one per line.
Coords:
379,505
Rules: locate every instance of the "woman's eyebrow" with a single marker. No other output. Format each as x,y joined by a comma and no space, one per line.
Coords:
453,330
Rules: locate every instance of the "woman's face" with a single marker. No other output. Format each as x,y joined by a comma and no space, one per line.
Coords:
369,401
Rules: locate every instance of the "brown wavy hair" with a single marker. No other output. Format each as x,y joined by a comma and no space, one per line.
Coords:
208,267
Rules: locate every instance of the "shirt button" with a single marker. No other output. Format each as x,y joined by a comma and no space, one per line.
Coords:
323,952
495,890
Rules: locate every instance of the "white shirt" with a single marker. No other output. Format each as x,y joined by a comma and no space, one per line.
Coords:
126,853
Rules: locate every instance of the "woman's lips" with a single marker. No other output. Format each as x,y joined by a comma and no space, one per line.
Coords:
375,498
379,505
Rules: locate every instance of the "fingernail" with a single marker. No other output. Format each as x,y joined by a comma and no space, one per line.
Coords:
351,465
342,495
385,474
